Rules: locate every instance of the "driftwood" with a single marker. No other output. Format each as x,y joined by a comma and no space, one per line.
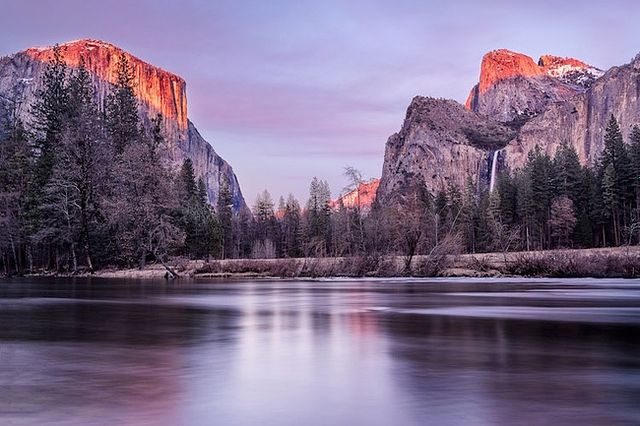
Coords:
171,273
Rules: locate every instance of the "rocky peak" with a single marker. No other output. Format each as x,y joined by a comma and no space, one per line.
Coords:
514,87
161,90
569,70
502,64
551,61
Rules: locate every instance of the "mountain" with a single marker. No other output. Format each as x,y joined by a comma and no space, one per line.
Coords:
512,86
518,104
362,196
440,141
157,90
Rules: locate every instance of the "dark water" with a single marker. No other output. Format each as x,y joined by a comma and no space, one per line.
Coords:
440,352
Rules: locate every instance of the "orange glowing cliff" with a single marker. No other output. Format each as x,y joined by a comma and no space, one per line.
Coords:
503,64
161,90
362,196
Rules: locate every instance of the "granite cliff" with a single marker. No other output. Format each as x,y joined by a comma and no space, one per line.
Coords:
158,92
362,197
518,104
514,87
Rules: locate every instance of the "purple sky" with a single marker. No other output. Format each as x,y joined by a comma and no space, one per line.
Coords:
288,90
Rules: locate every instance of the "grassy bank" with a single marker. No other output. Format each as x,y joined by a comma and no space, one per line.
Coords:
597,263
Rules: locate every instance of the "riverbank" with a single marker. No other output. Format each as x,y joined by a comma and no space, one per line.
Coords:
597,263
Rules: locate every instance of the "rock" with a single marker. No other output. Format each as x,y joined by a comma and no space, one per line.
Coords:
516,106
362,196
440,142
158,92
514,87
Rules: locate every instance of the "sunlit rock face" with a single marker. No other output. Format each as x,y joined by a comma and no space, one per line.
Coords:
514,87
162,91
442,142
363,196
158,92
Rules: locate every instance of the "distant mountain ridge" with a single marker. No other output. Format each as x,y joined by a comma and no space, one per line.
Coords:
158,92
361,197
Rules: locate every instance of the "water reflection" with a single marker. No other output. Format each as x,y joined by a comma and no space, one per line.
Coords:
352,352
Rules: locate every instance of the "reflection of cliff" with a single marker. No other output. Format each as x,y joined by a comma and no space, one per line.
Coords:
499,371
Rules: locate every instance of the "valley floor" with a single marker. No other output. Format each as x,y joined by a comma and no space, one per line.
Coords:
600,263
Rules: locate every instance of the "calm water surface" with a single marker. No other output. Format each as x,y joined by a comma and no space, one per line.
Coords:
392,352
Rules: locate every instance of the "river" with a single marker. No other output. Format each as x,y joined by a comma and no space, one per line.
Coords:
330,352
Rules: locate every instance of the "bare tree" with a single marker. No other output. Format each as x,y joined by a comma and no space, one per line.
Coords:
562,220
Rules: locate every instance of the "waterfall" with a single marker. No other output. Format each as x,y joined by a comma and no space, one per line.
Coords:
494,166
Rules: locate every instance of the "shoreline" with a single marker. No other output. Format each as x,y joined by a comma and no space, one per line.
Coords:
618,262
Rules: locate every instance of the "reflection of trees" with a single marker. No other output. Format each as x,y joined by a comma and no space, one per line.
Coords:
506,371
132,323
104,361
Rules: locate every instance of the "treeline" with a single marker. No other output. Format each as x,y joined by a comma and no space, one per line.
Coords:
84,186
548,203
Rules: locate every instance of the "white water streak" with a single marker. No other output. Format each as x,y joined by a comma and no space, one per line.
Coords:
494,164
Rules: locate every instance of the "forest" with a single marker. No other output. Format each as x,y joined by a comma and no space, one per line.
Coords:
84,186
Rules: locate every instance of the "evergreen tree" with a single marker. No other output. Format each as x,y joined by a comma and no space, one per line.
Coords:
203,196
318,218
568,173
540,174
267,232
50,115
634,157
122,108
224,208
15,167
85,160
187,186
617,179
291,227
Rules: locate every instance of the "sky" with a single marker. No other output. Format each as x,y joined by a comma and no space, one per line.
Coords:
286,90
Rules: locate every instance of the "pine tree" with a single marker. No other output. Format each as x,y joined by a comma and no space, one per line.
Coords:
15,166
634,158
617,183
202,196
122,108
85,159
267,232
318,218
611,199
224,208
291,227
187,186
50,115
568,172
540,173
